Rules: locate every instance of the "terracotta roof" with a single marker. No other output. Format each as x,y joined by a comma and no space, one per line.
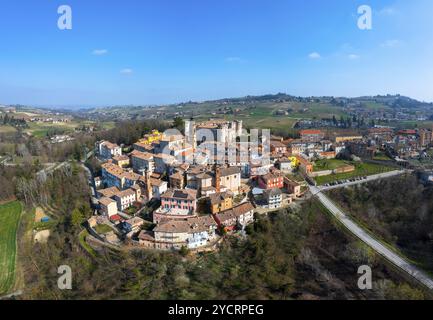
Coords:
203,176
270,176
312,132
125,193
218,198
142,155
408,132
121,158
183,194
106,201
109,145
235,212
230,171
177,176
380,130
132,176
109,192
156,175
191,225
113,169
156,182
147,147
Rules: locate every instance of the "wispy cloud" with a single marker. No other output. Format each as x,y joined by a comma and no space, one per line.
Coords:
99,52
353,56
127,71
314,56
234,60
391,43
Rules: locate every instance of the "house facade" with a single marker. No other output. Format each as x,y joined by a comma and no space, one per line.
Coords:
220,201
142,161
108,150
273,198
125,199
271,181
108,207
176,204
237,217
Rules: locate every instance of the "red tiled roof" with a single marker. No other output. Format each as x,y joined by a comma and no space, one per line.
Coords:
115,217
303,132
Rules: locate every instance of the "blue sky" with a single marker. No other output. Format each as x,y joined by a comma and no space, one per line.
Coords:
161,51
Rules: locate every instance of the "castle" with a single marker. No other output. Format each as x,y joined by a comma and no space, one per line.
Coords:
220,130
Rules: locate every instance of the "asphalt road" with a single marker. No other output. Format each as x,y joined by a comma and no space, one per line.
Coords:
365,237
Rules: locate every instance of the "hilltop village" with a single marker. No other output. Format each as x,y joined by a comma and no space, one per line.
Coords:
168,191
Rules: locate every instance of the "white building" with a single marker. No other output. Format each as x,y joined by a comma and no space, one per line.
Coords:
108,150
125,199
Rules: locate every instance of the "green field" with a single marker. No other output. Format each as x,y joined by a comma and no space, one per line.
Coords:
10,214
381,157
103,229
7,129
361,169
331,164
263,114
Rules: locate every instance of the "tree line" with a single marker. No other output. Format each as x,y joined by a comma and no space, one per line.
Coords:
288,255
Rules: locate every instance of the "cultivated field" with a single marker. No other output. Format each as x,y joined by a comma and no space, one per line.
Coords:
10,214
7,129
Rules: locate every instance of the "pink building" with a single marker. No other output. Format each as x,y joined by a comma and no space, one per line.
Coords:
271,181
176,204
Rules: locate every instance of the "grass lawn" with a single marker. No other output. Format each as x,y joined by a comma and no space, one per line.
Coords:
381,157
329,164
103,229
84,244
39,226
40,130
361,169
10,214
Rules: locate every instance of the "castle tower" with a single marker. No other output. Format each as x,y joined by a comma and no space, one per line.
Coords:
239,127
190,133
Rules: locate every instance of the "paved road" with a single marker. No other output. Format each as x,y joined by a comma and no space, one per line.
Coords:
391,256
369,179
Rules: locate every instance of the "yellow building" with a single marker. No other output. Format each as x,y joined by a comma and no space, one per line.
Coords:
295,161
150,138
220,202
347,138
